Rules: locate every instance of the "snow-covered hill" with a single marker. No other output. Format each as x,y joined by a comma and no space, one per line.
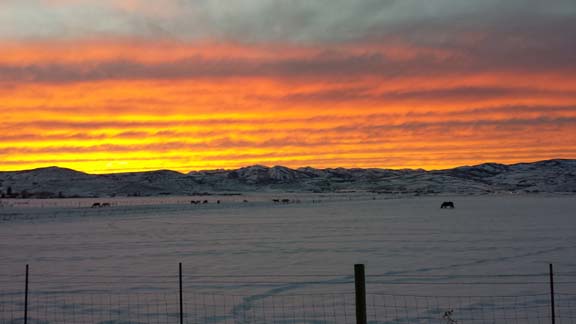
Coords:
545,176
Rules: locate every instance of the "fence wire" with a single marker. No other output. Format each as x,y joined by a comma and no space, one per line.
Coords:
100,299
160,308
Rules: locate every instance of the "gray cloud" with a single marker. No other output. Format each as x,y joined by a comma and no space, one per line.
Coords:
322,66
481,35
456,94
261,20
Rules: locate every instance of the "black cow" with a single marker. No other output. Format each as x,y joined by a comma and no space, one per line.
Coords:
447,204
448,317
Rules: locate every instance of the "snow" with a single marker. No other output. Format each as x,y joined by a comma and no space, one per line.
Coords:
552,176
147,237
264,262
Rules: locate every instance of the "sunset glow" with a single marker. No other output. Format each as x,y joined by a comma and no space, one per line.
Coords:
418,93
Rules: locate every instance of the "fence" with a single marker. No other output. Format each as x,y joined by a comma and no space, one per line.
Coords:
356,306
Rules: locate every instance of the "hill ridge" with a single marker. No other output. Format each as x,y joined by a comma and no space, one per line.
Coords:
550,176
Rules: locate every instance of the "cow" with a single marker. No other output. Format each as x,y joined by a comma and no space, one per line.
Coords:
447,204
448,317
96,205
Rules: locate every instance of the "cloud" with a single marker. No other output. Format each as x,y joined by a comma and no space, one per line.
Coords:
455,94
352,66
224,83
546,49
259,20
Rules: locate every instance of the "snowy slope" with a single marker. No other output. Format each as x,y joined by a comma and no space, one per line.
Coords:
544,176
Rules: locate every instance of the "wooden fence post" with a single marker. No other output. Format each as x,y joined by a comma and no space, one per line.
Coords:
181,299
552,304
360,283
26,298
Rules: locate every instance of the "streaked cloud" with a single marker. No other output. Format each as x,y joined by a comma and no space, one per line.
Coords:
261,20
181,84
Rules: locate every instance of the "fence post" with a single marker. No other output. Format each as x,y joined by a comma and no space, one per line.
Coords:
26,298
360,283
181,299
552,304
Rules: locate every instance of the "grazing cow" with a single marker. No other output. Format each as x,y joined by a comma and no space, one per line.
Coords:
245,201
285,201
447,204
205,202
276,201
448,317
105,205
96,205
218,201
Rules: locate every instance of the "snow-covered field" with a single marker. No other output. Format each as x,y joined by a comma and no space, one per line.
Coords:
258,248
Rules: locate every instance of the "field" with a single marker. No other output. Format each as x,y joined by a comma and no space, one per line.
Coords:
486,246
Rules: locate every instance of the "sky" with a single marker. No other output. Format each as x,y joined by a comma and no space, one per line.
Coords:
132,85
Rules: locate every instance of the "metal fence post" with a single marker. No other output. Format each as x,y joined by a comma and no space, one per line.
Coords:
552,304
26,298
360,283
181,299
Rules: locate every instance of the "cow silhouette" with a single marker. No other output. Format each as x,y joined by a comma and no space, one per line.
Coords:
448,317
447,204
99,205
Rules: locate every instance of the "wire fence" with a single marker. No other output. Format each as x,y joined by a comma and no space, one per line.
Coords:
276,306
286,309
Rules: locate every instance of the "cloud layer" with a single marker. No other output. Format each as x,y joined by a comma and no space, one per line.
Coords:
140,84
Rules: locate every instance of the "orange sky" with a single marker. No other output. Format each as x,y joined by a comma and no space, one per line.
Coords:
113,104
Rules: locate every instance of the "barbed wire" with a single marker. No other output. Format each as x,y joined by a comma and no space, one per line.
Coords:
267,283
260,308
278,298
450,276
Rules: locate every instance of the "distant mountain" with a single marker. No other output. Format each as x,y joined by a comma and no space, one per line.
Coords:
551,176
